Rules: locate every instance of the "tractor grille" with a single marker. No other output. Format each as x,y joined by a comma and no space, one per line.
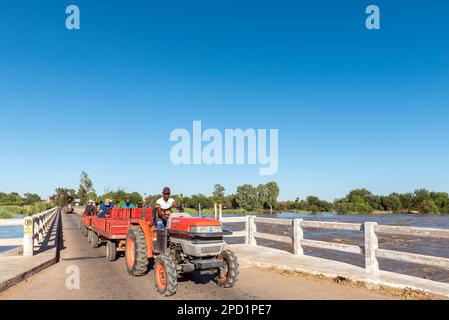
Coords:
210,250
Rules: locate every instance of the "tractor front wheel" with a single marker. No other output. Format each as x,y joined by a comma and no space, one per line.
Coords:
136,252
165,276
228,275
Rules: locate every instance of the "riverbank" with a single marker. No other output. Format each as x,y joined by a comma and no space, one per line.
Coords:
11,211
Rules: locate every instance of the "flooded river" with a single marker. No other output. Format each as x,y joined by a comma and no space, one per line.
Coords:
11,232
421,245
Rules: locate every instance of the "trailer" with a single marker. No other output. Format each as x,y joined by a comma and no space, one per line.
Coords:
112,230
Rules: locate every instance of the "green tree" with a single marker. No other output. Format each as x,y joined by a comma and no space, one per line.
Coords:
119,197
219,191
392,202
355,202
247,197
421,195
63,196
271,194
31,198
441,200
196,199
85,188
262,194
407,201
428,206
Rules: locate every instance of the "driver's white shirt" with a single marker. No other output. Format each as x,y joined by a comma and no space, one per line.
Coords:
165,204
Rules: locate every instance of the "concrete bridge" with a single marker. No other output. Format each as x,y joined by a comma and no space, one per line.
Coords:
266,273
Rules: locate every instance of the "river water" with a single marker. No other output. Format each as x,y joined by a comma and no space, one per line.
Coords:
420,245
11,232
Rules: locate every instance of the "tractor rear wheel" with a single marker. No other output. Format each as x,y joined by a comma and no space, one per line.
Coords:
165,276
111,251
94,240
136,252
228,275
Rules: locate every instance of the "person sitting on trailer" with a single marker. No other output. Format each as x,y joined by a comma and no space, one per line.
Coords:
91,209
164,207
128,204
105,209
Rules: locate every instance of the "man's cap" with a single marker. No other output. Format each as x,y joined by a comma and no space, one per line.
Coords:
166,190
91,201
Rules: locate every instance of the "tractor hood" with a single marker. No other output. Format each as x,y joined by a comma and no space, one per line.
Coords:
191,224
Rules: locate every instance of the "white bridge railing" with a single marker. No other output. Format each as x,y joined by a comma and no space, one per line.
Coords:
34,230
370,249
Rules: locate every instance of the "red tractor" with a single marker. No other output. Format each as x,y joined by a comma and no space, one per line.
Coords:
187,244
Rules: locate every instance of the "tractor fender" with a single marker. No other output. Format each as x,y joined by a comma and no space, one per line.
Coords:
147,230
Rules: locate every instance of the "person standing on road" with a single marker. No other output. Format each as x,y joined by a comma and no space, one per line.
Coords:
164,207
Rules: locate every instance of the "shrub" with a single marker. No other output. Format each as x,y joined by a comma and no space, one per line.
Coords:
8,212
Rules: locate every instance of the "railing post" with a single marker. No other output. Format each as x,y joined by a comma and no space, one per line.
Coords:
28,236
250,229
44,219
298,235
41,228
371,246
220,212
215,211
247,224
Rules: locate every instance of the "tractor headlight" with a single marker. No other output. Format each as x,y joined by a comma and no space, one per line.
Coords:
205,229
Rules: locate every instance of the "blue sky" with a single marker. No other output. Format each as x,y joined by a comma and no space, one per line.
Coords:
354,107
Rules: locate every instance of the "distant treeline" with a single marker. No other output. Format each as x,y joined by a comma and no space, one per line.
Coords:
363,201
249,198
13,203
15,199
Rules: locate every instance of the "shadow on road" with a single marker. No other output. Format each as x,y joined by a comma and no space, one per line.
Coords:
83,258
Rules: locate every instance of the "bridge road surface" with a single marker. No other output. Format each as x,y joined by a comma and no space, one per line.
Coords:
100,279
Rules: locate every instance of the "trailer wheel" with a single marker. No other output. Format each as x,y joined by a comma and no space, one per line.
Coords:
228,276
165,276
111,251
136,252
85,231
94,239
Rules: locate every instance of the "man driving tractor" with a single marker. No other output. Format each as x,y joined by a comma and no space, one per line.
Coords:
164,207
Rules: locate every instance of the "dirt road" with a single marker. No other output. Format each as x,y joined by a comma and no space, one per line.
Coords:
100,279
